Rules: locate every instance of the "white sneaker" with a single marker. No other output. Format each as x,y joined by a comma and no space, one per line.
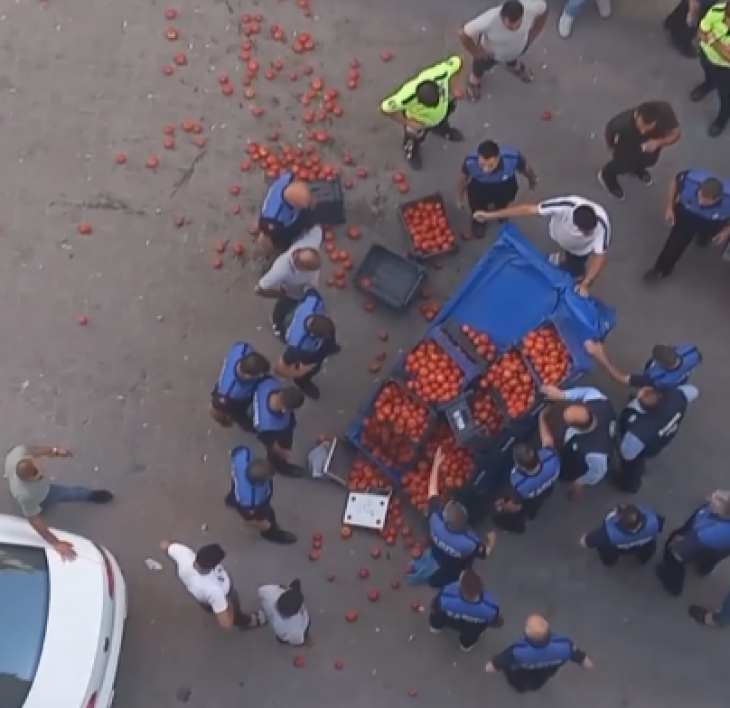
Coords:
433,630
565,25
604,8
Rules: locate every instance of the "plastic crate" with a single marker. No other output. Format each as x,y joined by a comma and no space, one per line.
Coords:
392,279
459,348
402,208
578,363
329,201
467,431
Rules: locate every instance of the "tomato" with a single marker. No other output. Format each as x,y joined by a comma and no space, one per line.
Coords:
429,227
548,355
514,382
485,347
435,378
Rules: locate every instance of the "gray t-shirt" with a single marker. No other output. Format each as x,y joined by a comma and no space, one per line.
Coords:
29,494
284,274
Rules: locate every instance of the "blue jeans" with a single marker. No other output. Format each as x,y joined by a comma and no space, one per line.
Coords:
722,616
573,7
60,493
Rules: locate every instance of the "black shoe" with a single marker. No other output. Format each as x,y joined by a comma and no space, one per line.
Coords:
230,500
309,389
453,135
613,189
699,615
652,275
644,176
101,496
286,469
412,153
336,349
716,128
659,572
277,535
698,93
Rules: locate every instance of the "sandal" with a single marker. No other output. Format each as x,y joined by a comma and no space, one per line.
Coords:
473,91
522,73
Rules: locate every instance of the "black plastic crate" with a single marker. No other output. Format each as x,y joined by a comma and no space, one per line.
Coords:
459,349
390,278
467,431
402,208
329,201
454,330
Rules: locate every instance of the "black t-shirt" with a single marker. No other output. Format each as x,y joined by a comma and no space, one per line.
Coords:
623,133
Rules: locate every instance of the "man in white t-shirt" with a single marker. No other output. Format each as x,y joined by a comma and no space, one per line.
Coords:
579,226
502,35
285,611
291,274
208,582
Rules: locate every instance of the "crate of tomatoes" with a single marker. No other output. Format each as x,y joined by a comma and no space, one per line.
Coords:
478,419
394,428
427,225
551,359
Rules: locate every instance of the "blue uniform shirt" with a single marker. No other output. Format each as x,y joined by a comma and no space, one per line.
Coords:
529,655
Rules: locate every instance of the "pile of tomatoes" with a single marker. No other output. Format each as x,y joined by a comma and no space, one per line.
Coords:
486,412
304,162
429,227
365,475
395,427
548,355
514,382
435,377
485,347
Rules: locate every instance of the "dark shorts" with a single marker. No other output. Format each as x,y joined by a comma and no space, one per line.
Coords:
265,512
284,439
239,411
479,67
575,265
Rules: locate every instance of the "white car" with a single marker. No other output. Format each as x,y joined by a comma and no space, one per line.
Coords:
61,622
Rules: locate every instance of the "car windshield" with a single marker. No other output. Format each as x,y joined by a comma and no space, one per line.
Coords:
24,593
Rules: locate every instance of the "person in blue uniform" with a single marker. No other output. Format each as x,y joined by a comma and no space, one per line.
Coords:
711,618
583,424
670,365
232,397
310,340
628,530
274,422
532,661
252,488
703,541
466,607
698,208
531,482
488,180
646,426
286,213
454,544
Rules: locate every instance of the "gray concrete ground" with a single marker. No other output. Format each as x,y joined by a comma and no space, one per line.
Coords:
82,82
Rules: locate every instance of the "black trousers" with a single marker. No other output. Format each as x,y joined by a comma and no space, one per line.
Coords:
489,197
412,140
672,572
469,634
717,78
610,556
574,265
283,307
628,476
676,24
242,619
687,227
631,161
524,680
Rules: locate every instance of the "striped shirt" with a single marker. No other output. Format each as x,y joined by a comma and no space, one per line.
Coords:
567,235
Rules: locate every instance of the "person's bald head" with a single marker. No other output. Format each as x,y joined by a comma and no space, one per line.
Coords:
578,416
298,195
307,259
537,628
27,469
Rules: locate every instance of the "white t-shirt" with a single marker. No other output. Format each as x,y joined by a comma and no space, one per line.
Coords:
210,588
566,234
291,630
284,274
505,44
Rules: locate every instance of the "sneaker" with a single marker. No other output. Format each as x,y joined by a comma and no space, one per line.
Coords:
258,619
286,469
652,275
716,128
413,156
700,615
565,26
275,328
466,650
309,389
614,190
454,136
556,258
604,8
645,178
698,93
433,630
101,496
277,535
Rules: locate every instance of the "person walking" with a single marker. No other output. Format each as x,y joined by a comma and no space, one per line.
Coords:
681,24
423,105
718,618
635,138
501,36
35,493
573,8
208,582
714,37
286,613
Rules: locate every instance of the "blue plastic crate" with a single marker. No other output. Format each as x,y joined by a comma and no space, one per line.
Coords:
459,349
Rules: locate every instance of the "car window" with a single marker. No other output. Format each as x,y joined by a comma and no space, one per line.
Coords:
24,595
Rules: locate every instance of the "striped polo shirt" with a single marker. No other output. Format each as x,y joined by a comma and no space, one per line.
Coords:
567,235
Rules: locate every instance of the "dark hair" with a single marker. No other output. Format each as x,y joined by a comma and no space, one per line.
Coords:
712,189
629,517
512,10
585,218
253,365
320,326
455,516
525,456
291,600
470,584
260,469
488,149
428,93
291,398
208,557
666,356
649,112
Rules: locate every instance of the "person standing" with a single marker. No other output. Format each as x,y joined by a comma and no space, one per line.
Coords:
466,607
579,226
286,214
423,105
681,25
310,340
209,583
719,618
573,8
698,208
488,180
35,493
286,613
252,488
532,661
628,530
714,37
502,35
232,397
635,138
289,277
702,541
